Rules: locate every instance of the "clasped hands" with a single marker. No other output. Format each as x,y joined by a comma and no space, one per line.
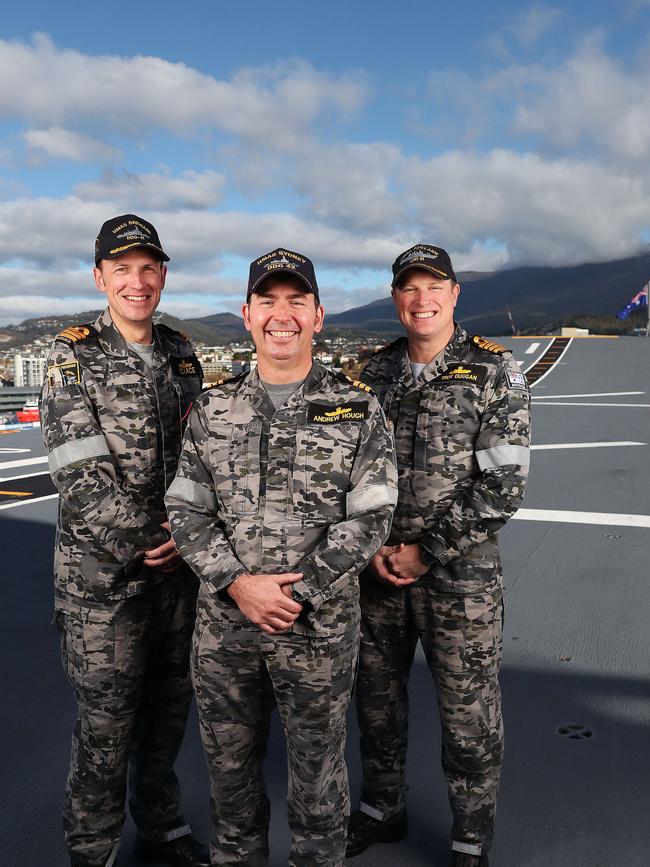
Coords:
398,565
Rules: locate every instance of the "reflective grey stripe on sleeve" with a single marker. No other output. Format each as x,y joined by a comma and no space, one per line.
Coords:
502,456
77,450
187,491
370,498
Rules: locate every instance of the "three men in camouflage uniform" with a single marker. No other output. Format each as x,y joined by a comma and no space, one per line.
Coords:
115,399
285,490
459,407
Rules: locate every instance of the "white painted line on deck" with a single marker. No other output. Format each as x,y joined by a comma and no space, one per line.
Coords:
26,462
569,403
532,348
597,394
8,451
601,518
24,476
586,445
27,502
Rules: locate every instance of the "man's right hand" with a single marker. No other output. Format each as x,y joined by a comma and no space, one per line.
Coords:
264,600
380,569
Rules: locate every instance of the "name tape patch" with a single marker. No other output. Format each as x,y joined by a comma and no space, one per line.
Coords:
188,366
322,413
464,374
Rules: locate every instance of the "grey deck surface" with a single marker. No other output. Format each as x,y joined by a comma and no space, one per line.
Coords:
576,652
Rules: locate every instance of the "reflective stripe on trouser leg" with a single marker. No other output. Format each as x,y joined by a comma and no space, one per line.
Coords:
388,641
462,639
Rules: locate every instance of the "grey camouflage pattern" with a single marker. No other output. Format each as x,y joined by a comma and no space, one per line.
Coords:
462,640
113,430
446,501
129,668
462,454
240,675
259,490
267,491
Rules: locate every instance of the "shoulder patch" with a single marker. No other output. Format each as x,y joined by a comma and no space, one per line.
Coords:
489,345
60,375
75,333
355,382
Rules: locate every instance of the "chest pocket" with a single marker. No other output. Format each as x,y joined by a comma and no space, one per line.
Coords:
322,467
447,424
126,413
235,465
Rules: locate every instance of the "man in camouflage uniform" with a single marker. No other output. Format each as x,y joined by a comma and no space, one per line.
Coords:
285,489
113,406
459,407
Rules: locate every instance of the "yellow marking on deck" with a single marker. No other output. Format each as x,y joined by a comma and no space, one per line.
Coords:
16,493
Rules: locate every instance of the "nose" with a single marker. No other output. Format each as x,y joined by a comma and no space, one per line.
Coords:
136,280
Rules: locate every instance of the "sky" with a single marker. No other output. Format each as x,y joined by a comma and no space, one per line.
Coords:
508,133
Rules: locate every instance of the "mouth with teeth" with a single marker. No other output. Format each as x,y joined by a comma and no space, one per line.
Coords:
425,314
281,335
136,298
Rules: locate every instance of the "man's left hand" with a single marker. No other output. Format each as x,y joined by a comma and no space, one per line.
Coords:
165,558
405,562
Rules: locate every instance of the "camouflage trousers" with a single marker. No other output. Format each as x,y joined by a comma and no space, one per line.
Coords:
240,675
129,667
462,641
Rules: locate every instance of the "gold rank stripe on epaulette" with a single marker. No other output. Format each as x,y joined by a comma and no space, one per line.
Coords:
74,333
358,384
489,345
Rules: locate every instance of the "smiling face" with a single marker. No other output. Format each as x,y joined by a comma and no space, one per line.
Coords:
425,305
132,283
283,320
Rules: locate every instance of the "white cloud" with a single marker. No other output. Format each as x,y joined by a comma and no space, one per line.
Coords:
590,101
128,191
56,143
532,23
542,211
276,104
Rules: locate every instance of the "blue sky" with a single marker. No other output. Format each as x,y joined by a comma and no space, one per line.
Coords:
508,133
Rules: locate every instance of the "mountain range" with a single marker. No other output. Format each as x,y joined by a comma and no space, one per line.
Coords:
533,298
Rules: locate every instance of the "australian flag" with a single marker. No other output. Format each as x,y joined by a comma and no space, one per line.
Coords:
639,300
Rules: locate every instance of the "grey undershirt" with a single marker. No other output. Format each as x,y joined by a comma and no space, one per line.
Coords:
144,350
417,367
280,393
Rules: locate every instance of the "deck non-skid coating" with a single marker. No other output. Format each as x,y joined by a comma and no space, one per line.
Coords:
576,651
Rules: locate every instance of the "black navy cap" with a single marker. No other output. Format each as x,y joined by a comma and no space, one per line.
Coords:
282,262
425,256
128,232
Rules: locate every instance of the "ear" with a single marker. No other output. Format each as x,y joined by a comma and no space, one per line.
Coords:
456,293
246,315
99,280
320,316
163,272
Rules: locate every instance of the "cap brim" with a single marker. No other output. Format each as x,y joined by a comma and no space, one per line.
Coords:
256,285
134,246
437,271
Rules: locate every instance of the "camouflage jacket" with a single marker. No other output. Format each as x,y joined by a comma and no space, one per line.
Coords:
309,487
462,440
112,429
